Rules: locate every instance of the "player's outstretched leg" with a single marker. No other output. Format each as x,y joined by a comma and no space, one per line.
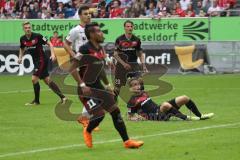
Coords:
55,89
87,131
192,107
170,110
84,119
121,128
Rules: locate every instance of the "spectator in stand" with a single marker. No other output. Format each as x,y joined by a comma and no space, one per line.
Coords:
116,11
161,5
198,8
214,10
202,14
136,9
102,12
59,42
164,12
60,8
45,3
94,13
25,15
54,38
190,12
19,5
44,13
34,9
2,5
150,1
53,5
206,4
152,11
170,4
9,6
76,5
184,4
49,15
60,15
179,10
226,4
174,13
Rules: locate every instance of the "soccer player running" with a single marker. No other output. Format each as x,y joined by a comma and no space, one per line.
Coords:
90,50
141,106
127,50
75,39
33,44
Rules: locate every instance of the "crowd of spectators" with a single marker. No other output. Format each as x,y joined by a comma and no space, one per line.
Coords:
62,9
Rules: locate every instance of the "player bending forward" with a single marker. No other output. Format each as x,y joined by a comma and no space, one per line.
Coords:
141,107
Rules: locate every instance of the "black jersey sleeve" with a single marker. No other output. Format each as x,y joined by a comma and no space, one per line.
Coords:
22,45
132,105
83,49
117,46
42,39
139,45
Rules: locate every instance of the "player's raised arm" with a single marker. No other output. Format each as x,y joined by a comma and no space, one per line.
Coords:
67,46
142,60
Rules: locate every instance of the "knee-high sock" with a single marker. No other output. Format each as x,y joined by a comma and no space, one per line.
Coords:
55,89
192,107
119,124
85,112
94,123
174,112
36,88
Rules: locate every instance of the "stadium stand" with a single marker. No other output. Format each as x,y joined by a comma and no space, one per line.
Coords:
59,9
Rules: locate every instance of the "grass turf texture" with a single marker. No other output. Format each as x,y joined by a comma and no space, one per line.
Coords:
24,128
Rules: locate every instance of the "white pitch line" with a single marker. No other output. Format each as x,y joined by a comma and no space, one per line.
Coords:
31,90
117,140
21,91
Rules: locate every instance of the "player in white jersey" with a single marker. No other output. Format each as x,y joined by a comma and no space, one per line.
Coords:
76,36
75,39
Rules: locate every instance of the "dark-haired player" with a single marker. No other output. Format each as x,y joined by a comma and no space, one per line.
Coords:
75,39
141,106
93,50
33,44
127,50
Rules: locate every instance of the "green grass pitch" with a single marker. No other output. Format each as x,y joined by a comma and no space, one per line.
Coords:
35,133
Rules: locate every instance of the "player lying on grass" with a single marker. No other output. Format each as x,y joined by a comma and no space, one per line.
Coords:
141,107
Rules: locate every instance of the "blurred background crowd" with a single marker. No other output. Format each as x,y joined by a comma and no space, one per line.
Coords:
63,9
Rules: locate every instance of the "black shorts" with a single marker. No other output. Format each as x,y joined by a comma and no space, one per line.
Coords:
159,116
41,69
173,103
121,74
99,103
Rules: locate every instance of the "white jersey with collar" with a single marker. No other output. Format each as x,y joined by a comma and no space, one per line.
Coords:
77,37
